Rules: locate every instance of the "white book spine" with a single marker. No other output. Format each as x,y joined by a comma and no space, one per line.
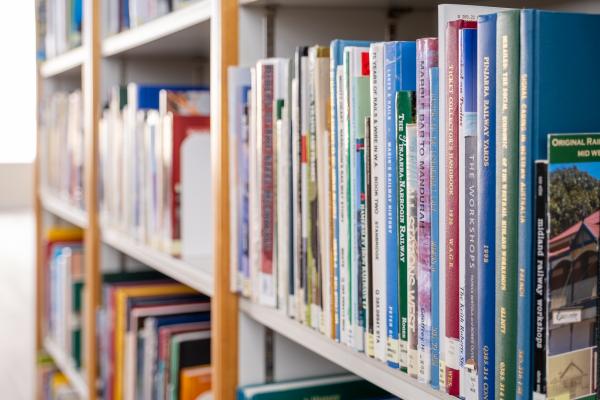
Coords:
378,201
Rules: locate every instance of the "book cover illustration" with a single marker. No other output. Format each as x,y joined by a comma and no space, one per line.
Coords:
572,265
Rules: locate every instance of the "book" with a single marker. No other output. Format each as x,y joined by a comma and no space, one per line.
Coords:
400,76
378,134
342,387
427,54
191,349
195,382
572,265
435,227
541,65
486,203
507,136
412,247
405,106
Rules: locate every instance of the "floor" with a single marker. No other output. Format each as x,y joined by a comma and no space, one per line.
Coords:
17,306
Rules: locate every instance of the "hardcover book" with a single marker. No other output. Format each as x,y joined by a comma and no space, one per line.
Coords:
572,265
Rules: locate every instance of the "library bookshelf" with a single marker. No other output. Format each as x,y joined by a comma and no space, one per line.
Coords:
214,34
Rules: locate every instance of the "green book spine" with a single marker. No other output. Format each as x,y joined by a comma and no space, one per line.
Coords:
405,109
507,188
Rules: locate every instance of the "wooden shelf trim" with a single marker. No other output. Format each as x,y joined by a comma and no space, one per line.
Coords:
156,29
378,373
61,208
66,365
195,274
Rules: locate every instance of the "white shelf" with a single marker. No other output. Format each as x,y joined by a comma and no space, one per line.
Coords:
67,366
182,32
378,373
69,62
196,273
61,208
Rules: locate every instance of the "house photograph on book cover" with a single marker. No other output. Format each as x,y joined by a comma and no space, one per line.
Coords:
574,217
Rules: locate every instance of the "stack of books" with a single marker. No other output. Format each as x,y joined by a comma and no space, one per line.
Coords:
154,338
143,133
62,147
386,195
61,27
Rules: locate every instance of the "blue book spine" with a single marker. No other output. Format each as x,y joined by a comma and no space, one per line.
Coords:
124,15
435,227
525,229
391,217
486,156
148,95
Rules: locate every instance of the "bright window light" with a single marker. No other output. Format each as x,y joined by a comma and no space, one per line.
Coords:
18,83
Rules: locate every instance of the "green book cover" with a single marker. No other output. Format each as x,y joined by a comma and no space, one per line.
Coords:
572,265
405,106
507,189
343,387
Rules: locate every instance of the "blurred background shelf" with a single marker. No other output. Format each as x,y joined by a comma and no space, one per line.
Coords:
61,208
68,63
67,366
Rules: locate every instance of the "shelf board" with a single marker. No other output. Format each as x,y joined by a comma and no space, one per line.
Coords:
185,32
66,63
196,273
392,380
61,208
67,366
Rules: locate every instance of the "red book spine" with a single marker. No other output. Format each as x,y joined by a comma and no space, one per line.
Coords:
452,207
267,206
183,126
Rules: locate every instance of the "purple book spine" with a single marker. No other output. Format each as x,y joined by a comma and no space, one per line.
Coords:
427,57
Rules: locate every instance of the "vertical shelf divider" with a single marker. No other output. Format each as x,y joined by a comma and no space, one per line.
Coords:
91,116
223,53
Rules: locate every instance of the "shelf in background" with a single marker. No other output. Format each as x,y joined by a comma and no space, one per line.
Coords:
378,373
63,209
66,63
196,274
185,32
67,366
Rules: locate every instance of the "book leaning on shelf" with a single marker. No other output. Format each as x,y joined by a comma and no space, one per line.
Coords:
409,230
142,136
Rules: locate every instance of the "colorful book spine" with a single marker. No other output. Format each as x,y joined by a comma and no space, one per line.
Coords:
435,227
244,201
427,57
452,324
486,157
267,174
541,284
507,148
412,248
405,103
525,227
391,51
380,76
369,345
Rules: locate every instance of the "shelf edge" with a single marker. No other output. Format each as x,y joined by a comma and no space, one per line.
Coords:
63,63
63,209
67,367
377,372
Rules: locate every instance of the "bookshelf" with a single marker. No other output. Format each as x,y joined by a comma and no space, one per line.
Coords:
68,63
66,365
62,209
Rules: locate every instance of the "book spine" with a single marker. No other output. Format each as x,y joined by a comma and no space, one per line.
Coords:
541,283
427,54
404,115
369,345
470,232
525,209
345,190
412,247
304,115
452,213
334,181
267,174
507,128
379,71
391,207
435,227
486,158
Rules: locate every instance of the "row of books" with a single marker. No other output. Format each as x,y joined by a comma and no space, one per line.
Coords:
120,15
153,333
54,384
385,194
60,21
144,133
62,147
